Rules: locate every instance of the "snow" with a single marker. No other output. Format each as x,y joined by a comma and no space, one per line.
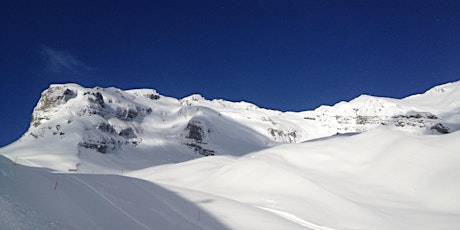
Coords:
381,179
29,200
370,163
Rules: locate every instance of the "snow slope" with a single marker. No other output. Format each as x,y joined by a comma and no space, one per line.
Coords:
381,179
110,130
35,198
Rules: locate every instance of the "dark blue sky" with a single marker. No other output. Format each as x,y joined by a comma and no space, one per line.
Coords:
279,54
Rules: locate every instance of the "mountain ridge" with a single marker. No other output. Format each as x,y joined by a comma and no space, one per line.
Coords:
104,129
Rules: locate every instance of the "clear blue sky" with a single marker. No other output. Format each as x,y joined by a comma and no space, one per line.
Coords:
279,54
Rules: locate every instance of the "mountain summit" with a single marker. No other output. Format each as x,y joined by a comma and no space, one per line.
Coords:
107,129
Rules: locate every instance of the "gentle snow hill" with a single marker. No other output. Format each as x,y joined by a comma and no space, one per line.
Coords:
30,199
108,130
36,198
381,179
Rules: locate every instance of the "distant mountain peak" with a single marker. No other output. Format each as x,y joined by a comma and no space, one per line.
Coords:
447,87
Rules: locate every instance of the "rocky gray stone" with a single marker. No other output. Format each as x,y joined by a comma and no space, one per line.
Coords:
195,131
440,128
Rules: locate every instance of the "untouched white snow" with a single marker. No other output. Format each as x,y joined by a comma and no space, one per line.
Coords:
381,179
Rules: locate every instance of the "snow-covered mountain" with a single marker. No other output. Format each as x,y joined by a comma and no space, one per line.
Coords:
371,163
108,130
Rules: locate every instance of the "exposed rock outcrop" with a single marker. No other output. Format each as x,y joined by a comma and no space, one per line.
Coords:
440,128
284,136
197,133
50,99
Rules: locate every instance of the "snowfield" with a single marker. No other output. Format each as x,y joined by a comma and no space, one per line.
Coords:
32,198
112,159
381,179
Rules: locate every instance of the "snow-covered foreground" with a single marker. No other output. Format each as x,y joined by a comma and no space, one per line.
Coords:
35,198
381,179
32,198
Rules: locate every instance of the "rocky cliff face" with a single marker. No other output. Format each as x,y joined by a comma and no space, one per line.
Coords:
104,124
197,134
109,120
49,102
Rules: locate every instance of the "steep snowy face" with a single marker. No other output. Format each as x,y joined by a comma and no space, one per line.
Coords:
81,127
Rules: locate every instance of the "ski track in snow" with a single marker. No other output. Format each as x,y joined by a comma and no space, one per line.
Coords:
159,199
111,203
296,219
